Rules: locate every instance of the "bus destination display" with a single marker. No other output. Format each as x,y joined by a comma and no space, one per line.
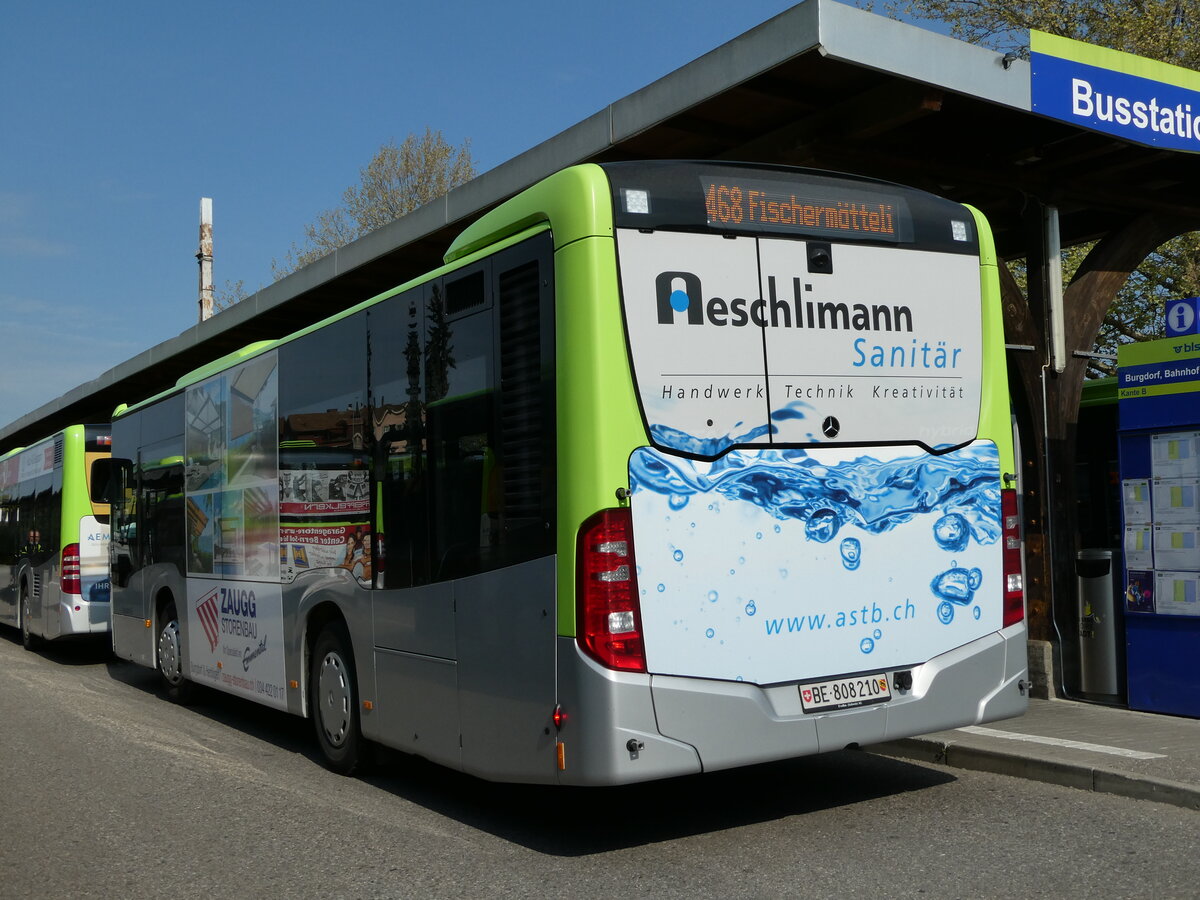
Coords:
818,210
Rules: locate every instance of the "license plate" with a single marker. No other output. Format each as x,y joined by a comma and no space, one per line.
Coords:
845,693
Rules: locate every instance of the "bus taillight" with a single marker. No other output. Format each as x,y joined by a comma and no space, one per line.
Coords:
68,580
608,622
1014,579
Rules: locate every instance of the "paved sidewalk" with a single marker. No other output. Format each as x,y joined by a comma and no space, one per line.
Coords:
1084,745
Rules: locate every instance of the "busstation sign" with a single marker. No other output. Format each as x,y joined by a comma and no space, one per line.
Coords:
1139,100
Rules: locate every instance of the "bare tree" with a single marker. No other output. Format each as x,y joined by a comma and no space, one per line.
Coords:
399,179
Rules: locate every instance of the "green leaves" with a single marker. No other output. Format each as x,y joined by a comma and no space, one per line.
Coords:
1165,30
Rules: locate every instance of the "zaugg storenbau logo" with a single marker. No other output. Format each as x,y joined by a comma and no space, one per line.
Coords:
679,292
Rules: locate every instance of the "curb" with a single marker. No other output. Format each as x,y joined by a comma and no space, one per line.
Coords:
1075,775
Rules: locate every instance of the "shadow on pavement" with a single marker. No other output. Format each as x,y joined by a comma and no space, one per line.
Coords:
560,821
570,821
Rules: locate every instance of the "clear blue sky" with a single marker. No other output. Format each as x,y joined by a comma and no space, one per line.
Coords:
117,118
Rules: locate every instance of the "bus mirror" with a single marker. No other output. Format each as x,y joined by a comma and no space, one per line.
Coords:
109,477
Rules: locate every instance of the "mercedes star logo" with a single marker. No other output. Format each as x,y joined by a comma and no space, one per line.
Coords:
830,427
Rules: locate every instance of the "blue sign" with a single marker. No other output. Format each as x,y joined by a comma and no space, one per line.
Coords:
1158,383
1138,100
1183,317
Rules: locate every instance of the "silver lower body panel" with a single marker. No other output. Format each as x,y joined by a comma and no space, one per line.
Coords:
633,727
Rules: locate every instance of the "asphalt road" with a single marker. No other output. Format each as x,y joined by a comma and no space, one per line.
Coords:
111,791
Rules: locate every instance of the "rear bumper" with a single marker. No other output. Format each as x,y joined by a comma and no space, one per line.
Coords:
660,726
78,616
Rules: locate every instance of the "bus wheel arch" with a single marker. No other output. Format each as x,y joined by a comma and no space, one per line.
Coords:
168,650
333,690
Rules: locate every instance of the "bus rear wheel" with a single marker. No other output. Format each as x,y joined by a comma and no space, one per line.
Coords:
335,700
29,640
170,657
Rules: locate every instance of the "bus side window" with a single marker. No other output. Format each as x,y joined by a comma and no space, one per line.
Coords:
324,463
163,514
492,436
462,412
398,429
43,539
8,532
460,409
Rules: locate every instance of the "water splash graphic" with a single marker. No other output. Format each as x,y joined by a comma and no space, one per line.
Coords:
951,532
872,495
956,586
665,436
676,439
809,562
822,526
851,550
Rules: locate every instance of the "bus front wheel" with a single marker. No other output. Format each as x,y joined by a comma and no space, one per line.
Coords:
170,657
334,699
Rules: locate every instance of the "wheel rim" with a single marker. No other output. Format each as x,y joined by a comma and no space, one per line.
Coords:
25,632
333,698
170,662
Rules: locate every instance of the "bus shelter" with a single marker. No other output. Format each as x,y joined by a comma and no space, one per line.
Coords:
1055,150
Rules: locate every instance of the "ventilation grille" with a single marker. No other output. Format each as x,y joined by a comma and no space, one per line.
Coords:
465,293
521,420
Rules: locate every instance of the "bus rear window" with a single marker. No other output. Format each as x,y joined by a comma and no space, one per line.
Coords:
99,508
772,340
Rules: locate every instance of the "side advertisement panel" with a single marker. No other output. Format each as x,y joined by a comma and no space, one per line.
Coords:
235,638
235,600
232,473
324,517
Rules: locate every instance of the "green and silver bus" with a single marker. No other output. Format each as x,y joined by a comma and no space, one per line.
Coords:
671,467
54,538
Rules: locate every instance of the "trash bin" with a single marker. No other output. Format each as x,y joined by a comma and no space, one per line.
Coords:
1097,622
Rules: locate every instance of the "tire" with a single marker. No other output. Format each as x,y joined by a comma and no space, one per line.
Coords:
170,657
29,640
335,700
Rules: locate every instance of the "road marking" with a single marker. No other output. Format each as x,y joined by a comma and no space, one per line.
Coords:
1061,742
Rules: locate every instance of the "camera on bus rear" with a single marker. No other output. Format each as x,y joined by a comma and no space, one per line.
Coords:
820,257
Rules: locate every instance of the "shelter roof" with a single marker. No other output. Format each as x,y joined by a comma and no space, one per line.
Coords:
823,85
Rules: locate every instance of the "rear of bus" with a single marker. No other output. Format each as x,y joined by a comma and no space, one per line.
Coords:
83,596
93,531
55,537
818,545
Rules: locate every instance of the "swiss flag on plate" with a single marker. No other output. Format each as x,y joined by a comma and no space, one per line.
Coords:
806,693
